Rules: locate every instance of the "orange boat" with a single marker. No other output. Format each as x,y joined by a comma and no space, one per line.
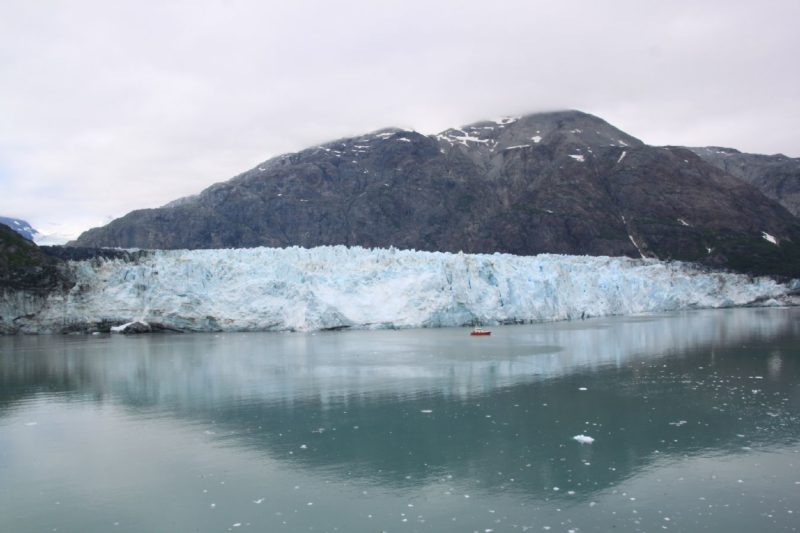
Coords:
479,332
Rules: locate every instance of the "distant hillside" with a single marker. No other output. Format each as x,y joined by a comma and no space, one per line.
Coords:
20,226
777,176
563,182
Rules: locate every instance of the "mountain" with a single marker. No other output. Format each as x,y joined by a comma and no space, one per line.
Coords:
777,176
563,182
20,226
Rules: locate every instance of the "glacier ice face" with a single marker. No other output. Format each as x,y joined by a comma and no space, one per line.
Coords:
335,287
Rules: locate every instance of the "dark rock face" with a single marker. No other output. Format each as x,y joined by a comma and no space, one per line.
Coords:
777,176
563,182
27,278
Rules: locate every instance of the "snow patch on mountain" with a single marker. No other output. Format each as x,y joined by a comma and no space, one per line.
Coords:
336,287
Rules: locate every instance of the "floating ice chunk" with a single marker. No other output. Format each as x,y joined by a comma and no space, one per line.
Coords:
683,222
768,237
537,139
578,157
258,501
237,524
582,388
583,439
518,146
426,411
303,447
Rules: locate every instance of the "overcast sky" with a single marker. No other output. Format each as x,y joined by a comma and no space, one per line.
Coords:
110,106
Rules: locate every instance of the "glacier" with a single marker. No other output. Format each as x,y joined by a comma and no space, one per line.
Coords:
333,287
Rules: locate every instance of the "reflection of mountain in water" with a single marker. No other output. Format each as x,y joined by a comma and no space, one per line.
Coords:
501,412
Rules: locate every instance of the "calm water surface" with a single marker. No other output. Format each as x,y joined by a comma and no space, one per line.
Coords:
695,419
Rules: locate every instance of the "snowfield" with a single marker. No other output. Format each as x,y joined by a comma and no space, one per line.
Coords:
335,287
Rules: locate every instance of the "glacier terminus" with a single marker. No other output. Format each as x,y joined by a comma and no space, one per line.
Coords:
336,287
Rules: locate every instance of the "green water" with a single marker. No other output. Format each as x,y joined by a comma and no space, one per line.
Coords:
695,419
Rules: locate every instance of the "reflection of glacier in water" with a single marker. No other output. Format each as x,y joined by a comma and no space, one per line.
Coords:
336,287
291,366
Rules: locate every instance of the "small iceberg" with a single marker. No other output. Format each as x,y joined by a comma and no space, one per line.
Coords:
584,439
136,326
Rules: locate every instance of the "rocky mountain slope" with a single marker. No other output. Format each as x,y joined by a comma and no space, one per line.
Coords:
564,182
777,176
24,266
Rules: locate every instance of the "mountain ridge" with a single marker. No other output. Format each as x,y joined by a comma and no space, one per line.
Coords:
777,175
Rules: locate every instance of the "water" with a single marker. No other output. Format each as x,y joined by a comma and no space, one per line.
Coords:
695,416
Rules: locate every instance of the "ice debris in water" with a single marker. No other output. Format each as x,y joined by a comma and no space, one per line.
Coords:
584,439
336,286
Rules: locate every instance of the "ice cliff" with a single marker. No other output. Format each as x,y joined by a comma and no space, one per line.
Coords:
337,287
